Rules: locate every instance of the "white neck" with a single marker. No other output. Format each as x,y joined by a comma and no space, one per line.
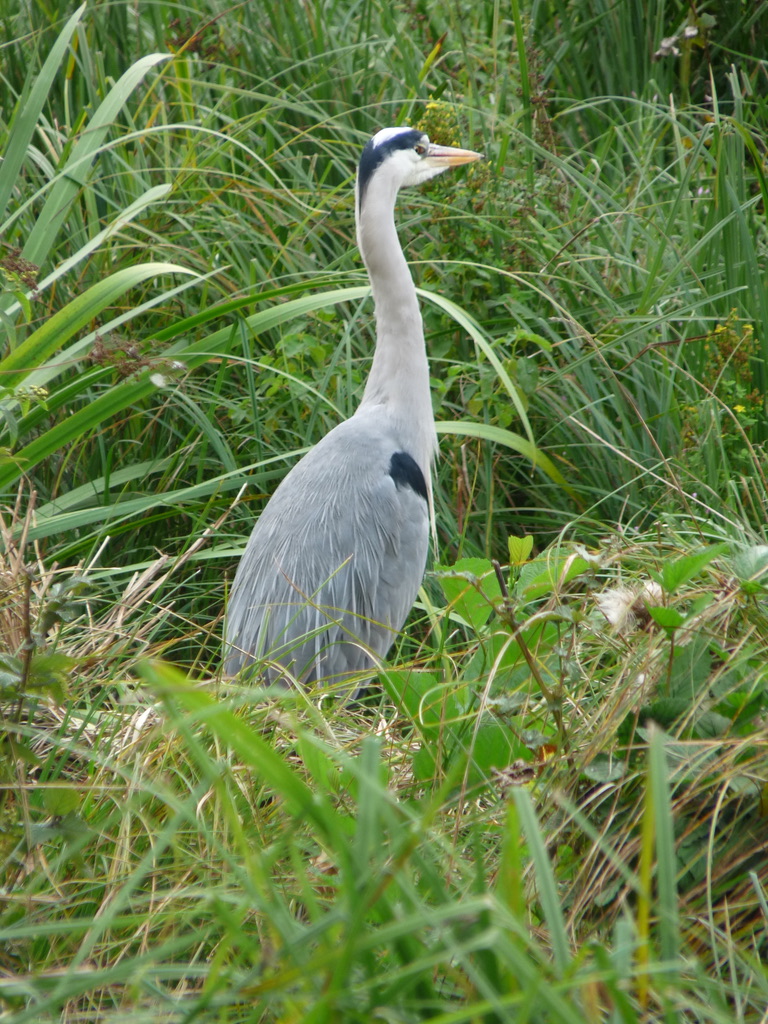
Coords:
399,377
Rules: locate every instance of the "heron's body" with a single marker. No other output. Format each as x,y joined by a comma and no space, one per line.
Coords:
336,559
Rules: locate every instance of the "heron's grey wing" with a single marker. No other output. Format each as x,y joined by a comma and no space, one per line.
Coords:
334,563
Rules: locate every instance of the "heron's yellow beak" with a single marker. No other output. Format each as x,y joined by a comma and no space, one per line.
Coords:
449,156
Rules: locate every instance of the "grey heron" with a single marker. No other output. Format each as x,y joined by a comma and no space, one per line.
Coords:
335,560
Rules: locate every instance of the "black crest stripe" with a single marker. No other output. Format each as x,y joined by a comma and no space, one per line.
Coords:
372,155
404,470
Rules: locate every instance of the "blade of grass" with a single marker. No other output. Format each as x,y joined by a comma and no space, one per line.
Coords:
28,110
86,307
137,207
666,857
546,886
517,443
267,763
74,174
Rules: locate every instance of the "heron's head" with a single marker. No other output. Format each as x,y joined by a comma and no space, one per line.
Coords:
395,157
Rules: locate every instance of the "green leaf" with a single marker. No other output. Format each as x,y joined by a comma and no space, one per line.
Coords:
679,571
690,670
50,671
668,618
11,670
60,800
494,746
500,653
711,724
519,548
605,768
548,572
527,375
750,565
425,765
666,711
471,588
428,702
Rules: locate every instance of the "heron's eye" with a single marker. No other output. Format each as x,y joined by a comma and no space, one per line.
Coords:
420,148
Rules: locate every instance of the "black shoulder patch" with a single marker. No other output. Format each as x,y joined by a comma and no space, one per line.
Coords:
373,155
404,470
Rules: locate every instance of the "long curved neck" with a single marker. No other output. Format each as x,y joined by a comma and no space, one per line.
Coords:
399,377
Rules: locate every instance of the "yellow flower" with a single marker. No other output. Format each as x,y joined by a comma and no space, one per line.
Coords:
739,408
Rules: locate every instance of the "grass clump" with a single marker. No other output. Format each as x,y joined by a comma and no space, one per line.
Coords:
554,809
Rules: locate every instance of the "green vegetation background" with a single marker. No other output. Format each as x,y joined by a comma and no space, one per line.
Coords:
558,809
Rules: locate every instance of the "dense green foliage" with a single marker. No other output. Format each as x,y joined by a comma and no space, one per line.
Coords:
557,808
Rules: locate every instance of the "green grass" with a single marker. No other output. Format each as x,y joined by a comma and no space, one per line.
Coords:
554,808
